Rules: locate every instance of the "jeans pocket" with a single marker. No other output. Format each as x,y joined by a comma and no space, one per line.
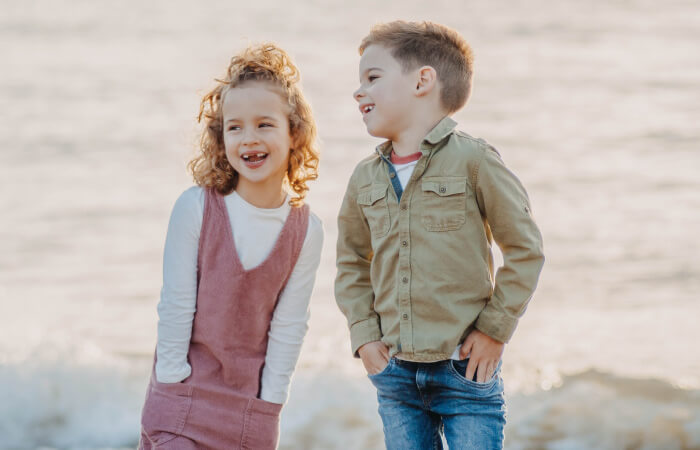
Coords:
384,371
458,369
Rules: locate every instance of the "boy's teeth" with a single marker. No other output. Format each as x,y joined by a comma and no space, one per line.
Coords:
368,108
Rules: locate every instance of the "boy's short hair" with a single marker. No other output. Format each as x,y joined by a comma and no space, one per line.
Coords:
416,44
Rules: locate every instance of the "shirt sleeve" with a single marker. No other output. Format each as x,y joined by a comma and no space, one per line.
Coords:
290,319
178,296
353,288
505,205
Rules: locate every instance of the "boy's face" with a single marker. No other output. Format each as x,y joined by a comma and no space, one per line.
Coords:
386,93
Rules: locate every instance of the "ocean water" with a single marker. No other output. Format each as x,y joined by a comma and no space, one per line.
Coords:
595,105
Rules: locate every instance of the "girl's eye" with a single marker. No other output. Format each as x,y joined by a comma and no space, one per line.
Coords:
266,124
372,78
234,128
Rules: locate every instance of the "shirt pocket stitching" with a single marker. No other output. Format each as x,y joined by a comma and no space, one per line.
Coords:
375,208
444,203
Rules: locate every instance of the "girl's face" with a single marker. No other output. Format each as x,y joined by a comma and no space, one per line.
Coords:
256,136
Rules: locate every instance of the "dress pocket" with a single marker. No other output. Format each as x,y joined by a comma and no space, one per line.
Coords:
261,425
165,411
375,207
444,203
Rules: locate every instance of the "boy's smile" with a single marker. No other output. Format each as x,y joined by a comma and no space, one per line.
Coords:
385,94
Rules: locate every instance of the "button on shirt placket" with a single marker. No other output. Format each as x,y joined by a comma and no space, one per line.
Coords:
404,273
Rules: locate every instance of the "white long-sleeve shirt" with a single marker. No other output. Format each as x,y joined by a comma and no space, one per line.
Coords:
255,230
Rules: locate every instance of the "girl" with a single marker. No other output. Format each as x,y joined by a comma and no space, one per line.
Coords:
243,254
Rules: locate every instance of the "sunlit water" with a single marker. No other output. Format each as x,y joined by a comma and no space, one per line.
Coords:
595,105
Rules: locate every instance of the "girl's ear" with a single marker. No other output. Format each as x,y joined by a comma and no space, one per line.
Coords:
427,79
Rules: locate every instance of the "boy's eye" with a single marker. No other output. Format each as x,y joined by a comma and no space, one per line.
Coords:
372,78
265,124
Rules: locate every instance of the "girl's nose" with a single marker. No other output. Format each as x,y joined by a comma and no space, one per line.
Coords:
250,136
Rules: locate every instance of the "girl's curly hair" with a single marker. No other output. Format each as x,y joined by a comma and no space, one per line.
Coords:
264,62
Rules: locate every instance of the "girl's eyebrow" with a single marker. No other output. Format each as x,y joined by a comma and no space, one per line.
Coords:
235,119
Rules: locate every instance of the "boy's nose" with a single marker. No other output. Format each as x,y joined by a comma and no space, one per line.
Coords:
358,94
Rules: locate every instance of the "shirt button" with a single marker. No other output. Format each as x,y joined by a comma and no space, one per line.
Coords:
404,243
404,279
405,317
403,207
442,189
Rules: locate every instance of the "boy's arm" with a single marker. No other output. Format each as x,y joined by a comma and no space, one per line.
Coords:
503,201
353,290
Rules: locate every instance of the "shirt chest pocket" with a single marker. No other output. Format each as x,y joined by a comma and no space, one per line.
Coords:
375,207
444,203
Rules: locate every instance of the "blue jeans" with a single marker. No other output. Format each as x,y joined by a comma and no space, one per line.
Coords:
418,402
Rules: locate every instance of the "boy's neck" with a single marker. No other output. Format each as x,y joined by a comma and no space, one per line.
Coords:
408,142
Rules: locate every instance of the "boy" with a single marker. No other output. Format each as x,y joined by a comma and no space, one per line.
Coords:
415,273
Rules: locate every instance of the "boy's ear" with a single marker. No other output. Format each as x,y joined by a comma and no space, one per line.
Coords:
427,79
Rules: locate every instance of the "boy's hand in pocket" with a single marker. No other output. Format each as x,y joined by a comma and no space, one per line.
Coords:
375,356
484,354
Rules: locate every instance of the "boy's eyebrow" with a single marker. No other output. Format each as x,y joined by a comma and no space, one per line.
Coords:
371,69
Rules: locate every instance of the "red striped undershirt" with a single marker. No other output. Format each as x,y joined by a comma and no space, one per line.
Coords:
396,159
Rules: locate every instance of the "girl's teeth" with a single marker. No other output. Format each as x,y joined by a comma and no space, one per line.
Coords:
257,155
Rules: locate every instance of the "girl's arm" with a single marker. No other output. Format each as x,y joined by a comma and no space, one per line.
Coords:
178,296
290,319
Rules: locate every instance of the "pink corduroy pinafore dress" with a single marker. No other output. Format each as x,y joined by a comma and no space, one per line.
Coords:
217,406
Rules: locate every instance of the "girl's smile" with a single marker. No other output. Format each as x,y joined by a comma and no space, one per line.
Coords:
254,160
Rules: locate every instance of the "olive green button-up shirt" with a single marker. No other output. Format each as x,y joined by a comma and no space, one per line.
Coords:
417,273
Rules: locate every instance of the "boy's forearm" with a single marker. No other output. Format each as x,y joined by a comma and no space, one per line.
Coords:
353,288
506,206
355,298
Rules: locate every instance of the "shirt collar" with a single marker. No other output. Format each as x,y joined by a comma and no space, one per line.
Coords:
439,132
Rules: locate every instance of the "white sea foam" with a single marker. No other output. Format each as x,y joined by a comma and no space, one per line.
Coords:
70,400
60,398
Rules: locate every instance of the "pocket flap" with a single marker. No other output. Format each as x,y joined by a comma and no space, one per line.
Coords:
372,194
445,186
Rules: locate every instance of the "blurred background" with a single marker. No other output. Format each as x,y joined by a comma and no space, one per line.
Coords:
595,105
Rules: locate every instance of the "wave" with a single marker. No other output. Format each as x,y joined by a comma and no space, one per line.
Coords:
67,402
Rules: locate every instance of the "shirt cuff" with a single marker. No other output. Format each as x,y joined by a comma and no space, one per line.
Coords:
273,396
496,324
363,332
168,375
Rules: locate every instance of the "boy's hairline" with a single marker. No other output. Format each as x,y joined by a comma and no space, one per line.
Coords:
406,65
